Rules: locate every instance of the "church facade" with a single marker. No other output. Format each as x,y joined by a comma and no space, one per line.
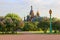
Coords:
31,17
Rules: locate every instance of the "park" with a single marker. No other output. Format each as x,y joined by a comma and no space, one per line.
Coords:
13,24
29,19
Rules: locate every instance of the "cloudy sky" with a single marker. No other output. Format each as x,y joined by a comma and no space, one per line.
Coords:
22,7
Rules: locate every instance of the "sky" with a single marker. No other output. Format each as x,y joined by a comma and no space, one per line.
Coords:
22,7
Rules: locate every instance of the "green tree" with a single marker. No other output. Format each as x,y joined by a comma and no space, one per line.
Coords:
14,21
9,24
2,24
30,26
56,26
13,16
44,25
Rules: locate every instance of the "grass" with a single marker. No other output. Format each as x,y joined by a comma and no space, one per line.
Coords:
31,32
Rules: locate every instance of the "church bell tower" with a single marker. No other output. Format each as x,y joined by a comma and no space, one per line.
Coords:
32,12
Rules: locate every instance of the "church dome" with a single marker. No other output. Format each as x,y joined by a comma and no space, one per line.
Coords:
38,13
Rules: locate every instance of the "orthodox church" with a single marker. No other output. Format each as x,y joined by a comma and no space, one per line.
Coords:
32,17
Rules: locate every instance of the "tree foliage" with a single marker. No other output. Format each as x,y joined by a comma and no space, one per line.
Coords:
30,26
44,25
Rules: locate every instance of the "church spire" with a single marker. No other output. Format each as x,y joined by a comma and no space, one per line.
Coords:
32,12
31,8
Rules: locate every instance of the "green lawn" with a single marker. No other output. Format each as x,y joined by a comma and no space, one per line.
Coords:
32,32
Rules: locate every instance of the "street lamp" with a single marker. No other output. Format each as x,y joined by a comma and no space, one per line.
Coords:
50,12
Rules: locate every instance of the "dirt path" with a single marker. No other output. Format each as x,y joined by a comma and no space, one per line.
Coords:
30,37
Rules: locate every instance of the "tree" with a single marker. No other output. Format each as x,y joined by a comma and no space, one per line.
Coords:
56,26
14,21
9,24
30,26
13,16
2,24
44,25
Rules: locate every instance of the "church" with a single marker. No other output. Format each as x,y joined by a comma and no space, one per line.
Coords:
31,17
